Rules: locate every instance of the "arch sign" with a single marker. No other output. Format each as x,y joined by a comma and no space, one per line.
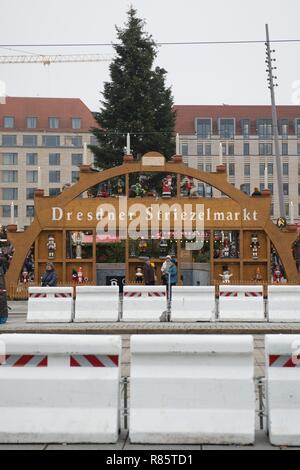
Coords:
93,233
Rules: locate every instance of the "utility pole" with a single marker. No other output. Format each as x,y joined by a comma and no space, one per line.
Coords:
271,86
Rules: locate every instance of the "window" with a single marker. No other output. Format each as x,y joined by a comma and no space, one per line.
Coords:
208,167
76,123
94,140
298,189
246,169
73,141
203,128
287,209
10,194
283,125
272,210
246,148
200,166
231,169
9,140
51,140
31,122
76,159
245,125
29,140
285,148
271,187
184,149
224,150
54,159
297,127
32,176
298,149
9,176
200,149
264,128
9,122
285,169
6,211
29,211
53,122
261,187
54,176
262,169
75,176
31,158
245,188
9,159
285,189
226,128
208,149
270,168
30,193
230,149
54,191
265,149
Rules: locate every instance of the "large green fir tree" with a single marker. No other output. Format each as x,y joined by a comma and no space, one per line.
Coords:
136,100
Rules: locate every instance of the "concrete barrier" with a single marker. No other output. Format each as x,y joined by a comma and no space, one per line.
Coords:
283,303
192,389
241,303
283,389
193,303
97,304
144,303
50,304
59,388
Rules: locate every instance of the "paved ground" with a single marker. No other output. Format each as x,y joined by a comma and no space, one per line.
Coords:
17,323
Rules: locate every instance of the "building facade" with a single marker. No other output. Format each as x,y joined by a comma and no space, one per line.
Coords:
246,135
39,136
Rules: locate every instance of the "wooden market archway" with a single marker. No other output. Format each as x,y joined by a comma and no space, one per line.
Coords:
23,241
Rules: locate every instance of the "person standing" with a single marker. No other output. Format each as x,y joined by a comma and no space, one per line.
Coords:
3,294
49,278
164,269
149,274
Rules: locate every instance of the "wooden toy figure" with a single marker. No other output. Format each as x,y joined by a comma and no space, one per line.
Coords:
80,275
51,245
77,238
277,276
226,275
258,276
139,277
167,186
254,245
226,247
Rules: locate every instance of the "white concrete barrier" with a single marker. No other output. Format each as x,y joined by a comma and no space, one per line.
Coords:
283,388
59,388
188,389
193,303
241,303
97,304
283,303
144,303
50,304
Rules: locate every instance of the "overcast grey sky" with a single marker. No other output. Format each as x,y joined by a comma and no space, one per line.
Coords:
212,74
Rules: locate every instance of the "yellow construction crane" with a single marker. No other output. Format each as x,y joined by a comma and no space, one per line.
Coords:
51,59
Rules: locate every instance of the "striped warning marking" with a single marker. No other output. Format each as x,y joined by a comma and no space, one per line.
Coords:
241,294
253,294
93,360
228,294
156,294
63,295
132,294
36,296
24,360
284,360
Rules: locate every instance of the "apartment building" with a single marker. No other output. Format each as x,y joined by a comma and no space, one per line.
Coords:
43,136
246,135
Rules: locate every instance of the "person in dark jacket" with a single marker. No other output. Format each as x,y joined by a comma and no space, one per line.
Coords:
49,278
3,295
149,274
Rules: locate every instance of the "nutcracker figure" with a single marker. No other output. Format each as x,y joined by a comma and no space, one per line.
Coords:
142,248
139,277
80,276
226,247
51,245
226,275
254,245
167,186
258,276
78,238
277,275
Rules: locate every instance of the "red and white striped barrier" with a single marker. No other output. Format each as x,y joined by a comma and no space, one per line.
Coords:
195,303
192,389
59,388
283,303
50,304
241,303
144,303
283,389
97,304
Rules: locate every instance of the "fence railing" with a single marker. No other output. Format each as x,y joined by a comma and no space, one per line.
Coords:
20,291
